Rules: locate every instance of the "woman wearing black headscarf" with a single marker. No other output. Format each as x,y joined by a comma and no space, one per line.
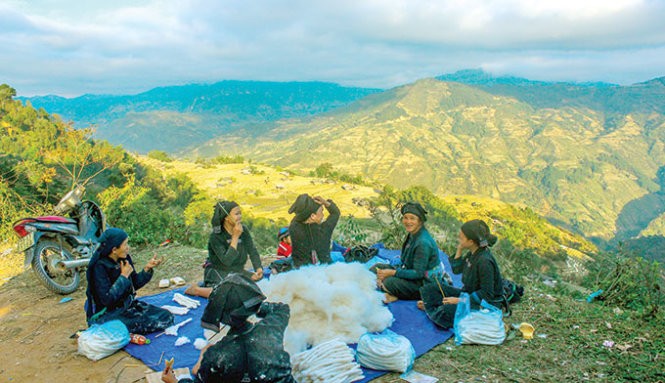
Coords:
249,352
310,234
480,275
229,246
419,254
112,285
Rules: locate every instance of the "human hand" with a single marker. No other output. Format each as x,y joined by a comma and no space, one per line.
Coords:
153,262
168,376
460,251
385,273
258,275
450,300
318,199
126,268
237,230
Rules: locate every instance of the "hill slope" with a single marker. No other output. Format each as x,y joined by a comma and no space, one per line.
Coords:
172,118
570,164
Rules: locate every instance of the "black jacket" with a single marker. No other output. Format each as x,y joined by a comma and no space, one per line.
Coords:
225,259
108,289
419,254
312,236
480,275
257,354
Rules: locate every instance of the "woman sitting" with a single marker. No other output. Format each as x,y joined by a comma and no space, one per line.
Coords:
229,246
112,285
480,275
249,352
309,233
419,254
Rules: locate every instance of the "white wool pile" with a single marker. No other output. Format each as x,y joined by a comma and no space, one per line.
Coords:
327,302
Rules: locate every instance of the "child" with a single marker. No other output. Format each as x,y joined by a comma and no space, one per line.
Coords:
284,247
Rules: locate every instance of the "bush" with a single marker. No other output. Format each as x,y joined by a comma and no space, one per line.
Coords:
629,282
133,209
160,156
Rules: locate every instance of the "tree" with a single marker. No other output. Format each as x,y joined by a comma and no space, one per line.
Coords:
81,157
6,94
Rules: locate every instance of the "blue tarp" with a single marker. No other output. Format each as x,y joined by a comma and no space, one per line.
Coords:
409,321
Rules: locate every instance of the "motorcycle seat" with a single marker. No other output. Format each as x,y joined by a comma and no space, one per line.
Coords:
55,219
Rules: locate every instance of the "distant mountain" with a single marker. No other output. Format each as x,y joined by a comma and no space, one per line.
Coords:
611,99
580,161
173,118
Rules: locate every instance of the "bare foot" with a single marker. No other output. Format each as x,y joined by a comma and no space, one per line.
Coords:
389,298
421,305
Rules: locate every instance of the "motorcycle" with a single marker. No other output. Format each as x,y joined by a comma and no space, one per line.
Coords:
58,247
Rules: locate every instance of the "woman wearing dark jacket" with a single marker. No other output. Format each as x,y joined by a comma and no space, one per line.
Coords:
480,275
112,285
419,255
310,235
229,246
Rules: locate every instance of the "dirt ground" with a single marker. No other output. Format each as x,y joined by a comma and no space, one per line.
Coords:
35,330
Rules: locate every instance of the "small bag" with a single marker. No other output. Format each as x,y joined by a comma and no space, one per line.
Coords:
484,326
360,254
102,340
385,351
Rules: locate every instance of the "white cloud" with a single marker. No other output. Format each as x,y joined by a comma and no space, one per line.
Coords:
72,47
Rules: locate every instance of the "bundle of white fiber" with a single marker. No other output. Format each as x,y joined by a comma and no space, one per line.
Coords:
327,302
330,362
481,327
386,352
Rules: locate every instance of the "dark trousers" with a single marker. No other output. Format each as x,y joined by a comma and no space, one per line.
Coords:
442,315
140,318
405,289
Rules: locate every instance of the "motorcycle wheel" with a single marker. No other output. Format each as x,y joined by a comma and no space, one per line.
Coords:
47,255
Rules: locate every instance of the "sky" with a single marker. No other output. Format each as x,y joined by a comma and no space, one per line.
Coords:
74,47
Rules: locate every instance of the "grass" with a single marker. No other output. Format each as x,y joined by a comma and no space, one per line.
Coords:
568,346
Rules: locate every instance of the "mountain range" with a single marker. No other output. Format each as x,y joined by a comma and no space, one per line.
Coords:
175,117
585,156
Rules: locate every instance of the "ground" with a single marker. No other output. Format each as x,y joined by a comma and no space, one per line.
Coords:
572,340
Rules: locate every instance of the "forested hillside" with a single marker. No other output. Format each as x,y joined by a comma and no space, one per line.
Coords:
592,170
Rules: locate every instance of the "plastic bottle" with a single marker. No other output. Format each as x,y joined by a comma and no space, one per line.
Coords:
138,339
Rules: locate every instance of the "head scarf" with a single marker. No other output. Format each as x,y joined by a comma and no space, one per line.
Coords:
111,239
416,209
283,233
304,207
231,302
222,209
478,231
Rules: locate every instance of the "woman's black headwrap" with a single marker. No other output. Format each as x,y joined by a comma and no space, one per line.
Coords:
304,207
416,209
222,209
231,302
111,238
478,231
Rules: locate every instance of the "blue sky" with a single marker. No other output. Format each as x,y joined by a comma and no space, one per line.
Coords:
70,48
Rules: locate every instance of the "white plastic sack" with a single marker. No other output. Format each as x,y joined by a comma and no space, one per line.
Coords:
386,351
484,326
102,340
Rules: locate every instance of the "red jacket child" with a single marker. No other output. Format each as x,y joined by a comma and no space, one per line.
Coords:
284,247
